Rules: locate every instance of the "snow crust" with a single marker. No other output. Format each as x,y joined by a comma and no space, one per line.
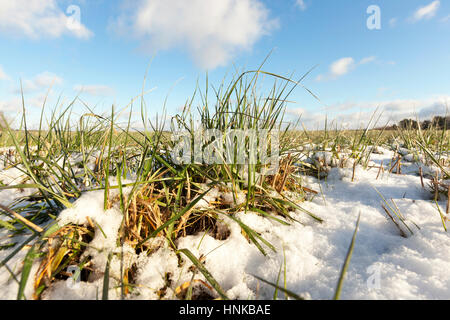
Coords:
384,264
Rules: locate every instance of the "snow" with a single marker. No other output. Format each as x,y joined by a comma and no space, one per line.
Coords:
8,285
13,176
107,224
416,261
152,271
384,265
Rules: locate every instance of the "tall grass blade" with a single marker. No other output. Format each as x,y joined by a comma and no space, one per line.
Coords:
205,272
286,291
27,264
337,294
106,278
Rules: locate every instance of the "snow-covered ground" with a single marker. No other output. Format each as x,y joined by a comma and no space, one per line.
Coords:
384,264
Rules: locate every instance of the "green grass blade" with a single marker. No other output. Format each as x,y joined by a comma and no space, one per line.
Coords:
442,216
106,278
16,250
205,272
286,291
337,294
252,235
27,264
265,214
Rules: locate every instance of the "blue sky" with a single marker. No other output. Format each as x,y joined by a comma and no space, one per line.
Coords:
103,53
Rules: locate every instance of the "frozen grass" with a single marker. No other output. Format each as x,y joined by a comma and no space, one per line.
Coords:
92,193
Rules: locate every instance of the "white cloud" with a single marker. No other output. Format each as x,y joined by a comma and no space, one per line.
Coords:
393,22
213,32
43,80
343,66
39,18
446,19
297,111
35,92
368,60
427,12
95,90
338,68
355,115
14,105
301,4
386,92
3,75
46,79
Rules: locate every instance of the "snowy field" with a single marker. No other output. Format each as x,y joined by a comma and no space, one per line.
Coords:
409,259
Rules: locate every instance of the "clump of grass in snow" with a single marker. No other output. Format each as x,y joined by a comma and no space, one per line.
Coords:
62,163
394,214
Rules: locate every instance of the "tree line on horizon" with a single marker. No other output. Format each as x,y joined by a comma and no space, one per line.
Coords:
438,122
